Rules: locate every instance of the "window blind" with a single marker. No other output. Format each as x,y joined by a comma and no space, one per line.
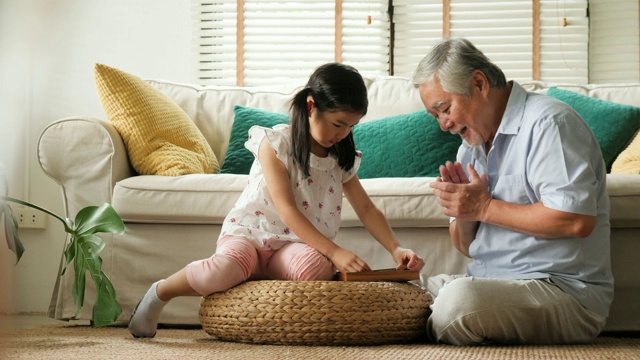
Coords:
365,36
257,42
503,30
614,49
500,29
214,42
417,25
253,42
564,41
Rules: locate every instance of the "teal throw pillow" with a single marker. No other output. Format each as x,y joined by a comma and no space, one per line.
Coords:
238,158
612,124
407,145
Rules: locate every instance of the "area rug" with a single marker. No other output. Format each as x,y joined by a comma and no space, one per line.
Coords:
68,342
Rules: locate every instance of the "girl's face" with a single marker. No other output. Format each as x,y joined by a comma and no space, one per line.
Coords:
328,128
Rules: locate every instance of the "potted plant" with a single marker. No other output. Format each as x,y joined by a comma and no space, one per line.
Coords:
83,249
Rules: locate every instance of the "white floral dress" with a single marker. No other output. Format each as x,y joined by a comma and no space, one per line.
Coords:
318,196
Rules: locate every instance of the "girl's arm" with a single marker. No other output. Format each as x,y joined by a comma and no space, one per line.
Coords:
378,226
279,187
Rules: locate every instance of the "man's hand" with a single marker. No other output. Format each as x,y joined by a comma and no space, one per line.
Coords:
460,197
452,173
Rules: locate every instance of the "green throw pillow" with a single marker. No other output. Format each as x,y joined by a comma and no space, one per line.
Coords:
407,145
612,124
238,159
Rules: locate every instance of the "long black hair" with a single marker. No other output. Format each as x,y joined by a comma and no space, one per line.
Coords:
334,87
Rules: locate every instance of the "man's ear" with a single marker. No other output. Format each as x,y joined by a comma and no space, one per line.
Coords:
479,82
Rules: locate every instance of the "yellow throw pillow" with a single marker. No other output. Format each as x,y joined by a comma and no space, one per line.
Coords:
628,162
160,137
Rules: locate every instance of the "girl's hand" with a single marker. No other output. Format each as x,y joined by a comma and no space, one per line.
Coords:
406,258
346,261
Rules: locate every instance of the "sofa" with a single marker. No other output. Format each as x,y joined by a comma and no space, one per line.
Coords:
173,220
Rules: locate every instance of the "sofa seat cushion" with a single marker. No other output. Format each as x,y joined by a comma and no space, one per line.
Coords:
624,197
206,199
406,202
188,199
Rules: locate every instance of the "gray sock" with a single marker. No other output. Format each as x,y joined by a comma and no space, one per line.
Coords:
144,320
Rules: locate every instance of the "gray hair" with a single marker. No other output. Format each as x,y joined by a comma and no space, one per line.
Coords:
452,62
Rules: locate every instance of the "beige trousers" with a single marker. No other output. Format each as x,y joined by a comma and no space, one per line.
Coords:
473,311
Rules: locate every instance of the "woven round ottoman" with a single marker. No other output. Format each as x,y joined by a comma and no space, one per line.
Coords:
317,313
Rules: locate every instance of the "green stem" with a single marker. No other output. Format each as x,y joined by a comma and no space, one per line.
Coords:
64,222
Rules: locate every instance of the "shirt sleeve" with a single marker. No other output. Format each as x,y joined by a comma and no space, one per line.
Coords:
276,137
348,174
561,164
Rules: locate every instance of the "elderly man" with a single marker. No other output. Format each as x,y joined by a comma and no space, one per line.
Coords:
528,204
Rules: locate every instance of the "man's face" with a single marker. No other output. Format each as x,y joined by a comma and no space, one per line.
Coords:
455,113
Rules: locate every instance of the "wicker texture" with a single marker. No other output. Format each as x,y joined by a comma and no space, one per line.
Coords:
317,313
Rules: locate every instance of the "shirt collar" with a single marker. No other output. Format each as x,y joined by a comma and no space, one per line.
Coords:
514,112
325,163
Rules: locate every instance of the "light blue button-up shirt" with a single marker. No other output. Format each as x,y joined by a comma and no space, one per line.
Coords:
544,152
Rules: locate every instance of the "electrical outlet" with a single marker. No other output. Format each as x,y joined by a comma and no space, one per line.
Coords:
29,218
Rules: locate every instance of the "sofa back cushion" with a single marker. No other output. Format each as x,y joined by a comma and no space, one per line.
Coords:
628,162
238,158
613,124
160,138
211,107
406,145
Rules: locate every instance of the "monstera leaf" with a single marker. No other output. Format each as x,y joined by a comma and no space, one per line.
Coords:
83,250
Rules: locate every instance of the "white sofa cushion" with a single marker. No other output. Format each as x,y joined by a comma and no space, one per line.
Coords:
628,94
211,107
206,199
188,199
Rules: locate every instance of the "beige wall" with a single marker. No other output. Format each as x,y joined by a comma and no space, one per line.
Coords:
47,52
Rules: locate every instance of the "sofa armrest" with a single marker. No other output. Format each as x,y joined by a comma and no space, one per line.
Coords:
86,157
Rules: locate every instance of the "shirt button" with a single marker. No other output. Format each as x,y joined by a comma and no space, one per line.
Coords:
479,262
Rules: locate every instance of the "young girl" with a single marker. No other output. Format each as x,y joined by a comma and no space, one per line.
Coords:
283,224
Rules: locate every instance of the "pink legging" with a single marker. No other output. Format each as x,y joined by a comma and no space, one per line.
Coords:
237,259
